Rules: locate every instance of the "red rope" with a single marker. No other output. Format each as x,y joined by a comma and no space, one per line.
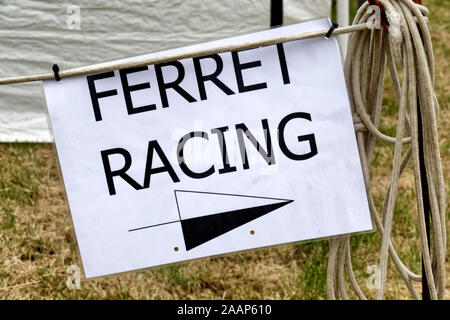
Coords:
383,17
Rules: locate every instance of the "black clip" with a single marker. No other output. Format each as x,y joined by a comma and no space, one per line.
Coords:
56,72
330,31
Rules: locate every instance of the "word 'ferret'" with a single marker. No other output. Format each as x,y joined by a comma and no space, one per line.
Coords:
164,85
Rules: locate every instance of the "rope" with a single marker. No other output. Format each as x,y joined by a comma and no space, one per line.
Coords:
405,47
179,56
404,41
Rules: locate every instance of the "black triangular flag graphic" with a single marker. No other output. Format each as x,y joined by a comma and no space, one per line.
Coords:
199,230
203,228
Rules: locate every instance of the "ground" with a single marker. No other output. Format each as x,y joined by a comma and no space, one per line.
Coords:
37,245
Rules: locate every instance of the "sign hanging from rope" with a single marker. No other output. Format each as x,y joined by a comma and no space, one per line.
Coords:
209,155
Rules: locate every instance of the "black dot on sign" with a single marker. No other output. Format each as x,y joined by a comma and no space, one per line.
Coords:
252,232
175,249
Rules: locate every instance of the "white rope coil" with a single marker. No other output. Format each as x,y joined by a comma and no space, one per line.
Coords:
407,44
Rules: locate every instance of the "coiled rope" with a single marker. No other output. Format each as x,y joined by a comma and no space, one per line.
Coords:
405,42
405,46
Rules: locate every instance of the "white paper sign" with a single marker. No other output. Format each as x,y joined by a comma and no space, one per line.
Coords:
209,155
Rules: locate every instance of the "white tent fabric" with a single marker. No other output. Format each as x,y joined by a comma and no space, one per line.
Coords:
35,34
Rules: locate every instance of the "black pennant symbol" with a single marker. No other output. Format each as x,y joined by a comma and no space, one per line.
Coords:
197,231
201,229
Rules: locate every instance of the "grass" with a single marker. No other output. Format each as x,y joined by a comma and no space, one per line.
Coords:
37,246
